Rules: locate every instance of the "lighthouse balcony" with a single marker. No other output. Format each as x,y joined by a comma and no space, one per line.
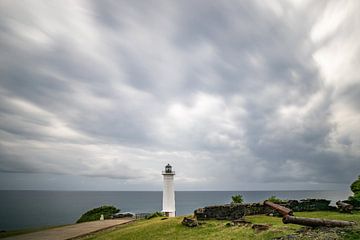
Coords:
168,173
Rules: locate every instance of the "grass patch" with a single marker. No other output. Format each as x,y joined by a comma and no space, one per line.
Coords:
331,215
11,233
215,229
172,228
5,234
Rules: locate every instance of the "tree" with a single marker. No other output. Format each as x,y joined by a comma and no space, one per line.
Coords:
355,188
237,199
94,214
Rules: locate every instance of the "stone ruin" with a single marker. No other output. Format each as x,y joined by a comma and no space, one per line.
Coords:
221,212
308,205
238,211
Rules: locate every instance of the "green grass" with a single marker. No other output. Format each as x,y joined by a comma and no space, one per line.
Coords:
214,229
15,232
172,229
12,233
331,215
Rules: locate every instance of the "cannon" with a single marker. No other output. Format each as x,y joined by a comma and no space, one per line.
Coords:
316,222
281,209
312,222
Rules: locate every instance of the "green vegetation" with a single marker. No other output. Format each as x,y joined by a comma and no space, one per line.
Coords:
11,233
155,214
94,214
172,228
355,188
352,235
237,199
4,234
355,200
274,199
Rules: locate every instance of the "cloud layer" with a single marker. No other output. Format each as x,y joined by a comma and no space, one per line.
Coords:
243,94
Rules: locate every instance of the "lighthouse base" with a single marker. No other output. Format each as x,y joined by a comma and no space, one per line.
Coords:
169,214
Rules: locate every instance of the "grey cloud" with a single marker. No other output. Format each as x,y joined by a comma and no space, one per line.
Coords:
106,88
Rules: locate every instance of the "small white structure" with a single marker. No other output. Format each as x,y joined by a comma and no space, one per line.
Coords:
168,192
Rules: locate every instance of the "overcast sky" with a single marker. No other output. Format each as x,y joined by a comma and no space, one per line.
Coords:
236,95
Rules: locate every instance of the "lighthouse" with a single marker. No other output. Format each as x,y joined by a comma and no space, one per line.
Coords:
168,192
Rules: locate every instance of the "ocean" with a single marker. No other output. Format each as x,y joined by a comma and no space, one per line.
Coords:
33,209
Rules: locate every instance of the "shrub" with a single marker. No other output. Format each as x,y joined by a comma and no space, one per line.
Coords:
274,199
355,200
355,186
237,199
94,214
155,214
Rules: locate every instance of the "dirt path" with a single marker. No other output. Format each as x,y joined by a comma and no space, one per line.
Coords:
70,231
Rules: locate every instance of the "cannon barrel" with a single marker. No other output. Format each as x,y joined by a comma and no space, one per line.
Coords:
316,222
281,209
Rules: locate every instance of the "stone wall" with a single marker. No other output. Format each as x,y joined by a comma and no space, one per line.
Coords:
256,209
231,211
307,205
237,211
221,212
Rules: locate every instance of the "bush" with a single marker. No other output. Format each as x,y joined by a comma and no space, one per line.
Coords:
155,214
355,200
94,214
355,186
274,199
237,199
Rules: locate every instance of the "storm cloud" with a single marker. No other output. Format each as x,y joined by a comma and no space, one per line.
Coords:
235,95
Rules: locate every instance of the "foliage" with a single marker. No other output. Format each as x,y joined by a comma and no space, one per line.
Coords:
356,197
274,199
353,234
94,214
155,214
355,200
237,199
213,229
355,187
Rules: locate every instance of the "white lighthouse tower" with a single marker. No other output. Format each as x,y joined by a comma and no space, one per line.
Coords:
168,192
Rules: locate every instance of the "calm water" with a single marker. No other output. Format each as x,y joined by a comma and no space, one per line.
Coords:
29,209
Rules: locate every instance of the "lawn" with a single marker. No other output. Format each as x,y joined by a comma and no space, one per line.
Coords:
215,229
12,233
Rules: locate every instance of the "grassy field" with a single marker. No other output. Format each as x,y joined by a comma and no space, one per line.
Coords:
24,231
172,229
